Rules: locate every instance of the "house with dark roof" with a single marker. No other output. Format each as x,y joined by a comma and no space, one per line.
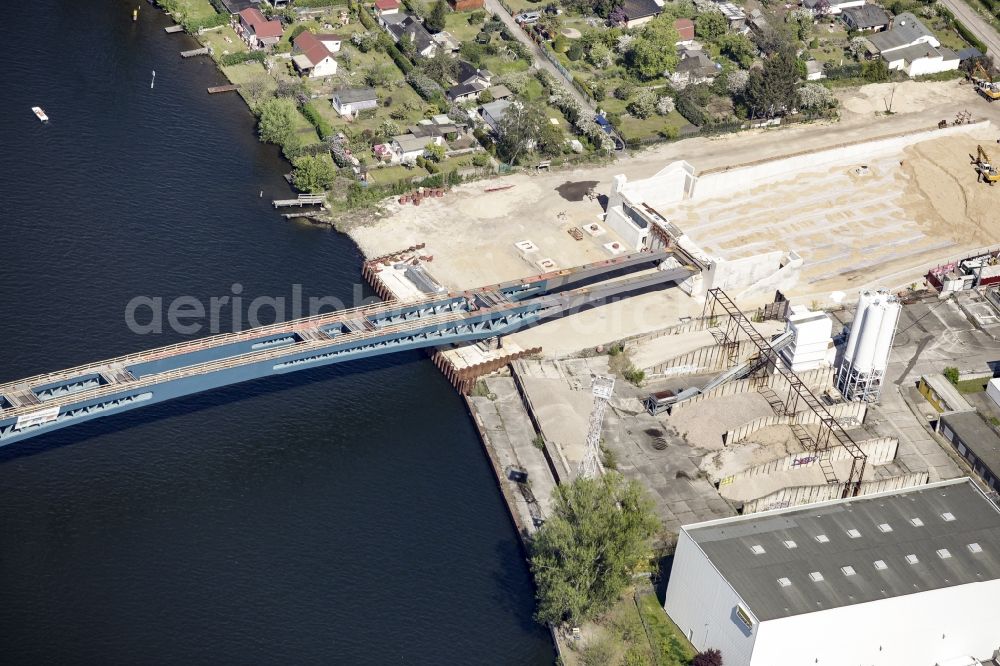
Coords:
895,578
313,54
470,84
404,27
639,12
910,47
350,101
828,7
257,31
905,30
694,67
866,18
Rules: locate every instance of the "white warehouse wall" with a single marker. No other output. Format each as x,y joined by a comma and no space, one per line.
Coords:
703,604
900,631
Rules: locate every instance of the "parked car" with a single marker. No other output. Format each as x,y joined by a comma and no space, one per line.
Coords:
527,18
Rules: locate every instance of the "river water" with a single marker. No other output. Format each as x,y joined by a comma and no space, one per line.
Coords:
338,515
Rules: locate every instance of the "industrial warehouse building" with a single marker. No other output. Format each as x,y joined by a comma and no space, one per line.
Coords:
906,578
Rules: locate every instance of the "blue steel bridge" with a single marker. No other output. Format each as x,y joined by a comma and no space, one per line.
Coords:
41,404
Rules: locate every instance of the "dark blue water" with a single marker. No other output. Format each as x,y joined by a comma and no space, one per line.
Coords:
340,515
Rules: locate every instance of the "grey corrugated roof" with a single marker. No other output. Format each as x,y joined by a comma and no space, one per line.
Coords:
977,436
867,16
906,29
349,95
911,53
728,543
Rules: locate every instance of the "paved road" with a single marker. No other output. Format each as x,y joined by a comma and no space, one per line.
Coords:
976,23
493,6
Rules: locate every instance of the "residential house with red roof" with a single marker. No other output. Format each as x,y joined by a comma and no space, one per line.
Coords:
257,31
386,7
314,54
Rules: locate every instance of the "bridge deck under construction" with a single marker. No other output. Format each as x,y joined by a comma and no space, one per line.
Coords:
39,404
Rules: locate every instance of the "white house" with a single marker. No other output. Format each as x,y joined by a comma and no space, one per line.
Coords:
824,7
408,147
349,101
314,54
900,578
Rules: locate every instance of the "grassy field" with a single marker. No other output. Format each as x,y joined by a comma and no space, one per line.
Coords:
672,649
217,40
193,9
620,636
457,23
393,174
973,385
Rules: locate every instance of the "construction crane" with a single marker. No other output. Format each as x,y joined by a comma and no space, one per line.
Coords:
602,388
984,167
984,83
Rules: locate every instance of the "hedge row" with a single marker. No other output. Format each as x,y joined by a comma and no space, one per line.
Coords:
968,36
241,57
404,63
323,128
366,19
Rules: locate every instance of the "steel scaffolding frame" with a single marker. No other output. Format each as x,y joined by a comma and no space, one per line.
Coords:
830,429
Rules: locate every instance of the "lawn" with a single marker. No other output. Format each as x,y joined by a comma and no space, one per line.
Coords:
672,648
457,23
217,40
973,385
193,9
393,174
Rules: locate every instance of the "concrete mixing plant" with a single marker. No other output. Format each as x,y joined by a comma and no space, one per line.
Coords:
868,345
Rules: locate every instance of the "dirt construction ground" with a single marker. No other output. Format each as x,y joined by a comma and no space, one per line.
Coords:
472,233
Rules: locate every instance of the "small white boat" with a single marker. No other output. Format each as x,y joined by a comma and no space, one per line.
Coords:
41,114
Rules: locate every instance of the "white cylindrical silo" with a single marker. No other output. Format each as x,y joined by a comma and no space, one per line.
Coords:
868,327
886,332
864,298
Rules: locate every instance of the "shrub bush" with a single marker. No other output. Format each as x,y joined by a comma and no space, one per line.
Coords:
238,58
323,128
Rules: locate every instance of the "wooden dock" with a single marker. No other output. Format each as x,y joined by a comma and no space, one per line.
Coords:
301,200
171,29
221,89
195,52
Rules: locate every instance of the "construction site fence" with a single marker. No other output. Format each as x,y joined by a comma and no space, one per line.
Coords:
789,497
846,413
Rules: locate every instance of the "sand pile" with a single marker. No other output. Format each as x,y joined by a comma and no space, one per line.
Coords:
905,97
943,195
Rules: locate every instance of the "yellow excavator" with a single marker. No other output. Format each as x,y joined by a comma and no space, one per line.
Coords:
984,167
983,81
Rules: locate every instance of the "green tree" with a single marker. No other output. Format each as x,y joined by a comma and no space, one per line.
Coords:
313,173
951,374
583,557
710,25
772,89
435,152
643,104
875,70
435,21
737,48
441,67
277,118
648,56
518,130
378,75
